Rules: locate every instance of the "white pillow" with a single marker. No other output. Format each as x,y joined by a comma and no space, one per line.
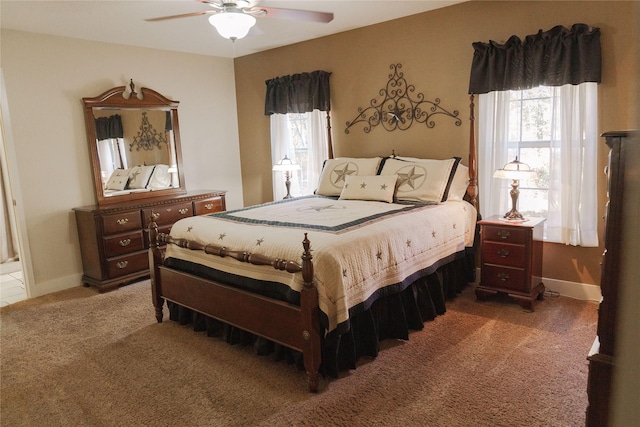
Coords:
459,183
118,180
335,171
139,176
365,187
160,178
422,181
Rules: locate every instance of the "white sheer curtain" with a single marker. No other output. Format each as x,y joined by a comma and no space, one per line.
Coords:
281,145
572,217
305,181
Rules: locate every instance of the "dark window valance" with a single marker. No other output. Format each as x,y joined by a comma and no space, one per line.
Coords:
552,58
109,127
298,93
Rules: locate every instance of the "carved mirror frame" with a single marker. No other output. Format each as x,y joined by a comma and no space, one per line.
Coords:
119,98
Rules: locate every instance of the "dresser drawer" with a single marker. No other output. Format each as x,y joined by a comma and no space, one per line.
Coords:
505,234
503,254
123,244
500,277
132,263
121,222
168,214
203,207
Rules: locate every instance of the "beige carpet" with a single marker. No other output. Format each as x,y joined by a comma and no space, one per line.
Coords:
78,358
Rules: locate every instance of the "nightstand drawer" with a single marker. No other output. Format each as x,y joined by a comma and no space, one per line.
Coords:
505,234
503,254
503,277
123,244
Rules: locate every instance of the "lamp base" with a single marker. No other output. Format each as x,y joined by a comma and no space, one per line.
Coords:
513,215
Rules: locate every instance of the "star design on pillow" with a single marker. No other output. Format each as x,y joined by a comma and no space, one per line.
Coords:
409,178
134,175
433,234
379,255
259,241
189,229
408,243
383,187
363,185
222,236
344,272
342,173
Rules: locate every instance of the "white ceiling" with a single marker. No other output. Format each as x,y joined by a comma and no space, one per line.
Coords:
123,22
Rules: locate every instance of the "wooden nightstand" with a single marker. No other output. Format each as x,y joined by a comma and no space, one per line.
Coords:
511,259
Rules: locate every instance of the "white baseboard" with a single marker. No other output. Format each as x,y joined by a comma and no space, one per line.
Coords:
581,291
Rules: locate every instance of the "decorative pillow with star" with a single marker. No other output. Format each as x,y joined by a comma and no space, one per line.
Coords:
459,182
335,171
118,180
364,187
139,176
427,180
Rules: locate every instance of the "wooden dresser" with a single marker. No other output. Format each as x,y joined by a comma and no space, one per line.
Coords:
114,240
511,255
602,354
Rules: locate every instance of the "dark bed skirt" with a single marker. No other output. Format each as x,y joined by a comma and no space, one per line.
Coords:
390,316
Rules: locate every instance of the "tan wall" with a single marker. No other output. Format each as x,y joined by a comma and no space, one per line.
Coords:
435,51
47,76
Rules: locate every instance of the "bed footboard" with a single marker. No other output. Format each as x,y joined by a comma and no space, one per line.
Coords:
294,326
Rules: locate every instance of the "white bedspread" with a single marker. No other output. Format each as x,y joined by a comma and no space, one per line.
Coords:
357,246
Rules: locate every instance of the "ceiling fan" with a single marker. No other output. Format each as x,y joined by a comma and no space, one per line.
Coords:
234,18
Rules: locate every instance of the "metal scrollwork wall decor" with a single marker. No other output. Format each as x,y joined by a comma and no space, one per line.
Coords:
398,109
148,137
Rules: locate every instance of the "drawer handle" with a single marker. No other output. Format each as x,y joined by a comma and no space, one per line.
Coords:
124,242
503,234
503,276
503,253
122,264
208,206
183,211
122,221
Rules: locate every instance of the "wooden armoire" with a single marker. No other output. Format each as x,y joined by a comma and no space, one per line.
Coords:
603,352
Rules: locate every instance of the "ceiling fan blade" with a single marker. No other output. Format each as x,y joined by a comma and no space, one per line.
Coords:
294,14
184,15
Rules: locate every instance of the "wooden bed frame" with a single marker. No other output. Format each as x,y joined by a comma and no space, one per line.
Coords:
296,327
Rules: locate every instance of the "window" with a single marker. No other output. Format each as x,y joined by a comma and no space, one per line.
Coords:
529,124
303,138
554,131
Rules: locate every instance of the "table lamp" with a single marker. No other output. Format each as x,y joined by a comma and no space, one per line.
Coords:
286,165
515,171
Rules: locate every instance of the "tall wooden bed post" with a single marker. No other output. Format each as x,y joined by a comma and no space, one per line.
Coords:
472,188
329,139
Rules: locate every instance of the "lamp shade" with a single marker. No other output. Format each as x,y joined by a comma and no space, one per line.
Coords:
515,170
232,25
286,165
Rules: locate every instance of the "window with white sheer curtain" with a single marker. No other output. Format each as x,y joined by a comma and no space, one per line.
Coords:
299,106
302,137
554,131
538,100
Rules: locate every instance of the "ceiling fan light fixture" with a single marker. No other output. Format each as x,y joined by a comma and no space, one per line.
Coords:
232,25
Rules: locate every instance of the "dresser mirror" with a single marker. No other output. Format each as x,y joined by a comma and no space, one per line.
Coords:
134,144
